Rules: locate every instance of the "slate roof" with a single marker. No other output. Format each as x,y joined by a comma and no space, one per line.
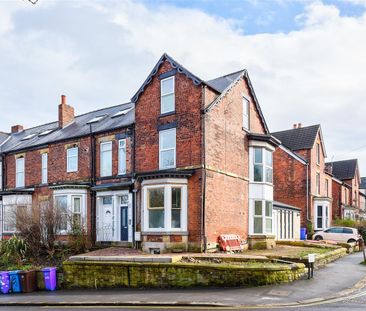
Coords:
343,170
298,138
363,183
3,137
221,83
78,128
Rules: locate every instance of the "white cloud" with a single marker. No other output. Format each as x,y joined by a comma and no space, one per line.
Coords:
99,53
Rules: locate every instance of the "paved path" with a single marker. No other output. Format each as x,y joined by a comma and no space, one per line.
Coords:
340,276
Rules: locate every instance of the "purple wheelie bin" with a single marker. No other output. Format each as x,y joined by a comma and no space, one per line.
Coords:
50,281
4,282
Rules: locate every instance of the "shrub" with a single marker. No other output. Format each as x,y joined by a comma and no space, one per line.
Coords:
77,239
14,250
345,223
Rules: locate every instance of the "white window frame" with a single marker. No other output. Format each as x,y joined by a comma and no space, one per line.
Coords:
173,130
246,113
44,168
263,217
263,164
1,178
70,194
325,215
20,172
122,162
106,171
166,94
317,183
167,184
317,153
69,157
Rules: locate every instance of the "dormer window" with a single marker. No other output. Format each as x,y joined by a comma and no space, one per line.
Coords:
95,119
167,95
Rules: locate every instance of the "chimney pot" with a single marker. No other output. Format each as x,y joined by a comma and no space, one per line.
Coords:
66,113
16,128
295,125
299,125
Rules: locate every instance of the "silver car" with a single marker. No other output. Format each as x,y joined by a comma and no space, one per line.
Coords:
338,234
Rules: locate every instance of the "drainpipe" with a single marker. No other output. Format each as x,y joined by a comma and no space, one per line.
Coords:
307,191
134,190
92,183
203,209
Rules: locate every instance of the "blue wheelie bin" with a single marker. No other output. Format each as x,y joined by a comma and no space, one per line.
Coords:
15,285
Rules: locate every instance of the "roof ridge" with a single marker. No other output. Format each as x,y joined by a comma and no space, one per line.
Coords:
77,116
298,128
348,160
223,76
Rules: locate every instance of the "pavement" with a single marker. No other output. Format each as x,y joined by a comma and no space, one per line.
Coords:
341,278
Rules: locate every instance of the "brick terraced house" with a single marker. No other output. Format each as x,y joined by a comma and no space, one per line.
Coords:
185,161
300,177
346,189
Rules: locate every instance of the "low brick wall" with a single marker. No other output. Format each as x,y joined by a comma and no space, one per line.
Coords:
89,274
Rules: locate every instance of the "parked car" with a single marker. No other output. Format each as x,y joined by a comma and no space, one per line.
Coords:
338,234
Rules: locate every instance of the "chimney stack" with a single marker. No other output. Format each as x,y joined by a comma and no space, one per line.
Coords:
16,128
66,113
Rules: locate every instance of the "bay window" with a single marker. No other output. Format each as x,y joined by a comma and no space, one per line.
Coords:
167,95
321,215
262,222
71,208
19,176
263,165
106,159
165,207
167,149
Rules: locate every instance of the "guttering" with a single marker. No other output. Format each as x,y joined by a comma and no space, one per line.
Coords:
307,191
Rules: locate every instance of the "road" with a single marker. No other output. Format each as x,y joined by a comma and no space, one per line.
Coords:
353,303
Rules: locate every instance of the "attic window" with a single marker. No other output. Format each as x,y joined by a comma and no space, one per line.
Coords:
95,119
44,133
122,112
29,136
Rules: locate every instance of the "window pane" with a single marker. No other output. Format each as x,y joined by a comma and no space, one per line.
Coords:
106,146
258,173
269,175
176,216
258,225
156,218
320,210
268,158
156,198
268,225
268,209
77,205
167,103
122,157
61,205
106,160
167,86
176,197
258,208
320,222
107,200
258,152
72,152
167,139
167,159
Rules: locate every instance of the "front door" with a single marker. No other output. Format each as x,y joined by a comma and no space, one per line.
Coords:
107,219
124,223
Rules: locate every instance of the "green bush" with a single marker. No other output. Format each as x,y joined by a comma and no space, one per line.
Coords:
14,250
345,223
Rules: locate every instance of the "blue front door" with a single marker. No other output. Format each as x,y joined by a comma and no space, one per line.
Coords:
124,223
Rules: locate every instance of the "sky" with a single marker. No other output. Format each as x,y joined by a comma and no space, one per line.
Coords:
306,59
